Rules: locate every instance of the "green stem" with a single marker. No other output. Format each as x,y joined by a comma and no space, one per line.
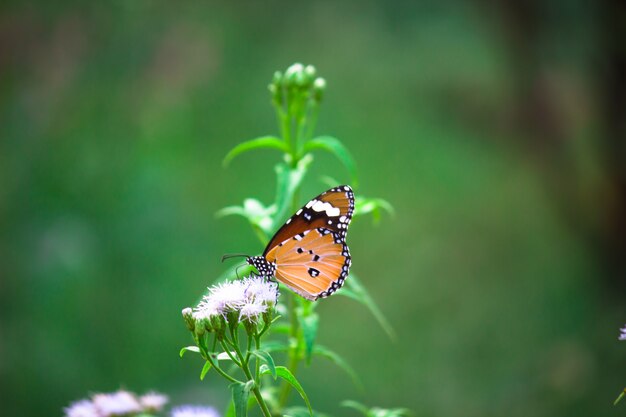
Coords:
207,356
293,352
312,120
257,392
230,355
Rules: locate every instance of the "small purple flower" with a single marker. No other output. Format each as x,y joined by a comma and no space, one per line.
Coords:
153,401
116,404
82,408
623,335
194,411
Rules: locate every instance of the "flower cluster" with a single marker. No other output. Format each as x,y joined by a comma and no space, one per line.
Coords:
116,404
623,335
245,301
297,80
194,411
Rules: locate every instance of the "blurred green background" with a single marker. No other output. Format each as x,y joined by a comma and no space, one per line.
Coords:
496,129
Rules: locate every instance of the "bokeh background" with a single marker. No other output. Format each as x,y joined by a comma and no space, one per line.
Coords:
496,129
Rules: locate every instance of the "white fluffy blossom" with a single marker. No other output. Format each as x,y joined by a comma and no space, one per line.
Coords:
153,401
261,290
250,296
116,404
252,311
82,408
194,411
623,335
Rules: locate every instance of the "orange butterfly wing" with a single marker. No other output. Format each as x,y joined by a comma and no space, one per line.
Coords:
314,263
309,250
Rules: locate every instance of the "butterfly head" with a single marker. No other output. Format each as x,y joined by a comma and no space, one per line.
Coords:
265,268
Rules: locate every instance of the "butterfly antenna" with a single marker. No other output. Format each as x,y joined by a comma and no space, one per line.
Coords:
234,255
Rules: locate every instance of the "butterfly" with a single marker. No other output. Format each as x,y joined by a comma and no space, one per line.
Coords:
309,253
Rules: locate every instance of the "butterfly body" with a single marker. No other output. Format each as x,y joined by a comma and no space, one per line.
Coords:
309,253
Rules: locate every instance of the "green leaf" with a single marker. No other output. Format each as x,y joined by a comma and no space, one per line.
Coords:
340,362
356,406
620,397
298,411
372,205
195,349
355,290
286,374
230,411
265,356
241,392
258,143
335,147
205,369
376,411
224,356
258,215
288,180
309,323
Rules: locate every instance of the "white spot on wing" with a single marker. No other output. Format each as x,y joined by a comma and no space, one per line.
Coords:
330,210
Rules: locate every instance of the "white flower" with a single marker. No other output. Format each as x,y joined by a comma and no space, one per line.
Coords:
226,296
194,411
82,408
153,401
623,335
116,404
260,290
252,311
206,308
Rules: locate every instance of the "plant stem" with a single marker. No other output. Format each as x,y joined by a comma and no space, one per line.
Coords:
207,356
293,351
257,392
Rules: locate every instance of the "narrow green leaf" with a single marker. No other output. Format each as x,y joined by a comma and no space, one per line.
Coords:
372,205
620,397
261,142
265,356
205,369
190,349
288,180
241,393
358,292
309,324
355,406
298,411
286,374
335,147
224,356
230,210
340,362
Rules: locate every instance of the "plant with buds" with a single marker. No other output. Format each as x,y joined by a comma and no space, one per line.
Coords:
231,320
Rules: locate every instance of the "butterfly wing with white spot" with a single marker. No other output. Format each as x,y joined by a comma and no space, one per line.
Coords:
330,210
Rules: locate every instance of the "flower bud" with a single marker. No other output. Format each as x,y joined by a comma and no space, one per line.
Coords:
232,317
250,326
319,85
294,72
188,317
310,72
202,325
277,79
219,326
